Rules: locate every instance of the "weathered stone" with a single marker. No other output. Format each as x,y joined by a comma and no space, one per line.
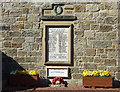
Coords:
38,40
73,82
87,59
112,54
32,18
15,34
89,34
9,20
36,10
111,20
21,19
35,46
36,25
98,60
15,13
7,44
16,45
90,66
34,53
94,27
19,59
103,13
31,59
12,52
100,50
14,27
74,70
68,7
21,26
110,62
118,75
42,73
88,16
80,8
102,67
76,76
25,10
99,36
18,40
92,7
113,12
28,25
27,46
29,39
30,33
21,53
110,36
7,38
90,52
102,44
112,69
105,28
111,6
79,33
86,26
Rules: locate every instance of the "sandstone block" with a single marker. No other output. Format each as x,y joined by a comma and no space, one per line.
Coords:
27,46
21,26
16,45
86,26
113,12
99,36
90,52
111,6
118,75
28,25
92,7
38,40
12,52
102,44
76,76
80,8
34,53
15,34
94,27
89,34
29,39
74,70
110,62
112,54
21,19
100,50
21,53
110,36
112,69
111,20
79,33
30,33
31,59
32,18
105,28
87,59
18,40
90,66
42,72
15,13
25,10
14,27
19,59
98,60
7,44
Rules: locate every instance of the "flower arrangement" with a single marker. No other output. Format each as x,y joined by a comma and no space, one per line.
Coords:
57,80
23,72
99,73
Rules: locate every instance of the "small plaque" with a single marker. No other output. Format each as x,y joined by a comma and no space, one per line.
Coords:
57,72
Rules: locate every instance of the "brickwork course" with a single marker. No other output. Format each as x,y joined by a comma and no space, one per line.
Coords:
96,37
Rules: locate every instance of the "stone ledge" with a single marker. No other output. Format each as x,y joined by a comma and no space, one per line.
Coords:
58,18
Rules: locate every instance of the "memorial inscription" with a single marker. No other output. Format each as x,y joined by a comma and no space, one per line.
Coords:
57,44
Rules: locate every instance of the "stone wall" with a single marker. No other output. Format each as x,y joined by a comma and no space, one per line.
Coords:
96,37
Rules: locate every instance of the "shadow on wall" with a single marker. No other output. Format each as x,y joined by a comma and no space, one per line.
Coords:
8,64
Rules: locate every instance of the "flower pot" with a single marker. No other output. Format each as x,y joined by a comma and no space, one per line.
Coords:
97,81
24,80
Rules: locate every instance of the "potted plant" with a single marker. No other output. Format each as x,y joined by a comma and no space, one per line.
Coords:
97,78
24,78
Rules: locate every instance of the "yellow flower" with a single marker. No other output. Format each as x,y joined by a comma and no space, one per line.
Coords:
95,73
33,72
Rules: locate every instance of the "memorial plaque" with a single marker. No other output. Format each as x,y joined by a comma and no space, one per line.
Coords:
57,72
57,44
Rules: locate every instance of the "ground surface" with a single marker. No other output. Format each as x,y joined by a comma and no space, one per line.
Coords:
60,89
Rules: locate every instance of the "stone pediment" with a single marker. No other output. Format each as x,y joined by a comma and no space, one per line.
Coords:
58,12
